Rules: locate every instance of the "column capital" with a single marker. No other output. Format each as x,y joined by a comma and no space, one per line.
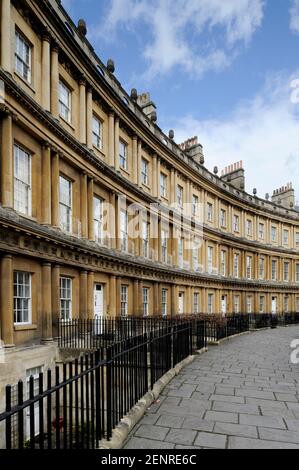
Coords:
7,256
46,35
135,137
46,145
82,80
46,264
55,45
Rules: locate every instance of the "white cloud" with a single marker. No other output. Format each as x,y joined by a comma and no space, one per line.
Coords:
178,32
294,12
263,132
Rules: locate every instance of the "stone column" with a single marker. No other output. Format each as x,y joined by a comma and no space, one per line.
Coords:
90,196
89,117
47,333
112,219
140,298
139,163
82,110
7,160
55,81
46,184
136,312
174,300
156,298
83,295
117,297
55,189
116,143
55,298
154,182
135,157
6,299
111,139
84,211
45,78
112,307
117,222
6,35
90,295
158,178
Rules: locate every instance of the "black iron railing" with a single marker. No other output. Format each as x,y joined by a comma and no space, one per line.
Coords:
82,401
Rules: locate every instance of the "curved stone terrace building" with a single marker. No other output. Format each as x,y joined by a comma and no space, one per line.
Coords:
102,214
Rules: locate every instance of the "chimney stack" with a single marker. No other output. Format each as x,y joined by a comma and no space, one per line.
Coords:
148,107
284,196
193,149
235,175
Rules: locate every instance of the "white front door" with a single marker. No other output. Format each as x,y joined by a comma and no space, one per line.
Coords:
98,307
181,303
274,305
35,374
224,305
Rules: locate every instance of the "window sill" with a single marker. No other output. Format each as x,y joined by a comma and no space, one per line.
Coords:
27,84
69,124
25,327
28,217
124,170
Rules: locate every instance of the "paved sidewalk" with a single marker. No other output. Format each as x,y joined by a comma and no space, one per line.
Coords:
243,394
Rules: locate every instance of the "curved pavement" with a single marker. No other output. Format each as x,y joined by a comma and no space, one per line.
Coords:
243,394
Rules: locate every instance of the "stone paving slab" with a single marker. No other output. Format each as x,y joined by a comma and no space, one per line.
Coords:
243,394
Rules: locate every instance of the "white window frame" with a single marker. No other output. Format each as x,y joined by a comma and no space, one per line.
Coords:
180,196
262,304
164,246
286,271
145,298
195,259
65,106
196,301
163,185
124,230
261,231
97,132
123,155
286,304
66,302
195,202
262,265
249,303
164,302
210,212
98,219
249,267
236,304
210,259
297,272
124,296
236,265
210,303
249,228
223,223
223,263
66,226
24,206
181,252
273,233
26,63
22,300
274,263
236,223
145,238
145,172
286,237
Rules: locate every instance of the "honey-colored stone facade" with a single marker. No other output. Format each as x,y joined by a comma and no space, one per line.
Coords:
30,117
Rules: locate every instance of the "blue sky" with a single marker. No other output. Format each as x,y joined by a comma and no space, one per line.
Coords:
227,71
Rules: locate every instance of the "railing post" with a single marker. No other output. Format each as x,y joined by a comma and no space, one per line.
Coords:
8,420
